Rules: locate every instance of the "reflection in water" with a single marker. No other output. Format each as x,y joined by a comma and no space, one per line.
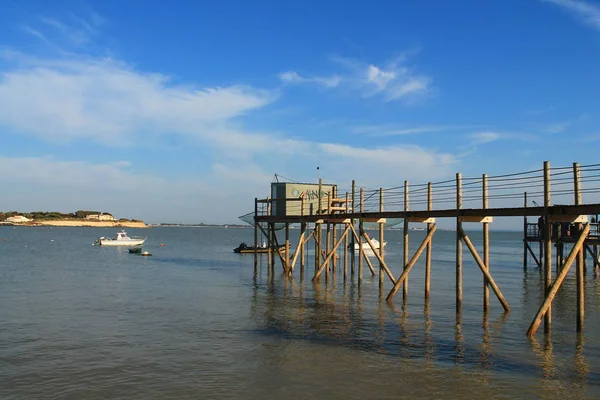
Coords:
582,368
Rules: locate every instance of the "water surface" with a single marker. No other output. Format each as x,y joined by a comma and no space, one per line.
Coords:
192,321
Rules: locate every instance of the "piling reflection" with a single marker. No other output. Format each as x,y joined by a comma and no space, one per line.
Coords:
582,368
353,316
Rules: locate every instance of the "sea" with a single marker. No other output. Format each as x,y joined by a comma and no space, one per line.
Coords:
193,321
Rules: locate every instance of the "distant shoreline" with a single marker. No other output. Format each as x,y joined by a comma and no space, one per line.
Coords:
81,223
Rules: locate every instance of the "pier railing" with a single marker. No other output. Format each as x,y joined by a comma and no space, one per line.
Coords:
575,185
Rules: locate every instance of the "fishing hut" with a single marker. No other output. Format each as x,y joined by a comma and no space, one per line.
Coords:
329,219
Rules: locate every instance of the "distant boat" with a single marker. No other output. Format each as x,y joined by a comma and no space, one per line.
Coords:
366,246
121,240
243,248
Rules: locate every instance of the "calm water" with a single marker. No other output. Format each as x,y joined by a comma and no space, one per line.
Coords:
86,322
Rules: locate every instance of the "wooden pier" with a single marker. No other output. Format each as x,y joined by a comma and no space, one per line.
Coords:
465,199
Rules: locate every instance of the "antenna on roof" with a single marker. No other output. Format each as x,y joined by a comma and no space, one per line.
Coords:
534,203
318,174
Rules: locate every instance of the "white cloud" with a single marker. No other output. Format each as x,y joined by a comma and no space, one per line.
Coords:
587,12
485,137
110,102
292,77
393,82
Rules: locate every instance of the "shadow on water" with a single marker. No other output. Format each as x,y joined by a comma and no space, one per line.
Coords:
326,318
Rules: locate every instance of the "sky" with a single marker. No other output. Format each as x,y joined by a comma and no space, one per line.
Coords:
184,111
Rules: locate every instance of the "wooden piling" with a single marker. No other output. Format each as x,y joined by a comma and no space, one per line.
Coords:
381,243
288,268
547,247
359,238
405,242
525,244
346,244
428,253
486,247
580,275
459,255
255,237
352,222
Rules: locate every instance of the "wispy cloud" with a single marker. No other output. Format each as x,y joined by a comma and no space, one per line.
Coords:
71,30
390,130
557,127
538,111
485,137
586,12
489,136
292,77
392,81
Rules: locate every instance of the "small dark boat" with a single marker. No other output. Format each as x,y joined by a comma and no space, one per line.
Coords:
243,248
136,250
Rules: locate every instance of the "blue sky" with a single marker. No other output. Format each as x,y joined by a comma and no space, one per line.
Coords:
183,111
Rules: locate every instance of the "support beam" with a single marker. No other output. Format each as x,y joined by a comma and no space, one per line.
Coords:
380,258
297,251
545,307
331,253
361,252
411,264
484,270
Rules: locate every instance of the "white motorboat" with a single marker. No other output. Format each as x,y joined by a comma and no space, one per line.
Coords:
366,246
121,240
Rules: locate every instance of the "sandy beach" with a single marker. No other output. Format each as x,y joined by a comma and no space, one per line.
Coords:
96,224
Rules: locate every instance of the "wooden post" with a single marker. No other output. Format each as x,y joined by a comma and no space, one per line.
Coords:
486,247
459,258
545,307
547,246
525,233
302,246
579,271
381,238
352,257
287,249
405,242
255,237
317,237
361,231
303,233
327,246
346,246
428,253
269,240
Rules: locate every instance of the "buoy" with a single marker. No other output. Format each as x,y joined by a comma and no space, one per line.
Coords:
161,245
145,253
